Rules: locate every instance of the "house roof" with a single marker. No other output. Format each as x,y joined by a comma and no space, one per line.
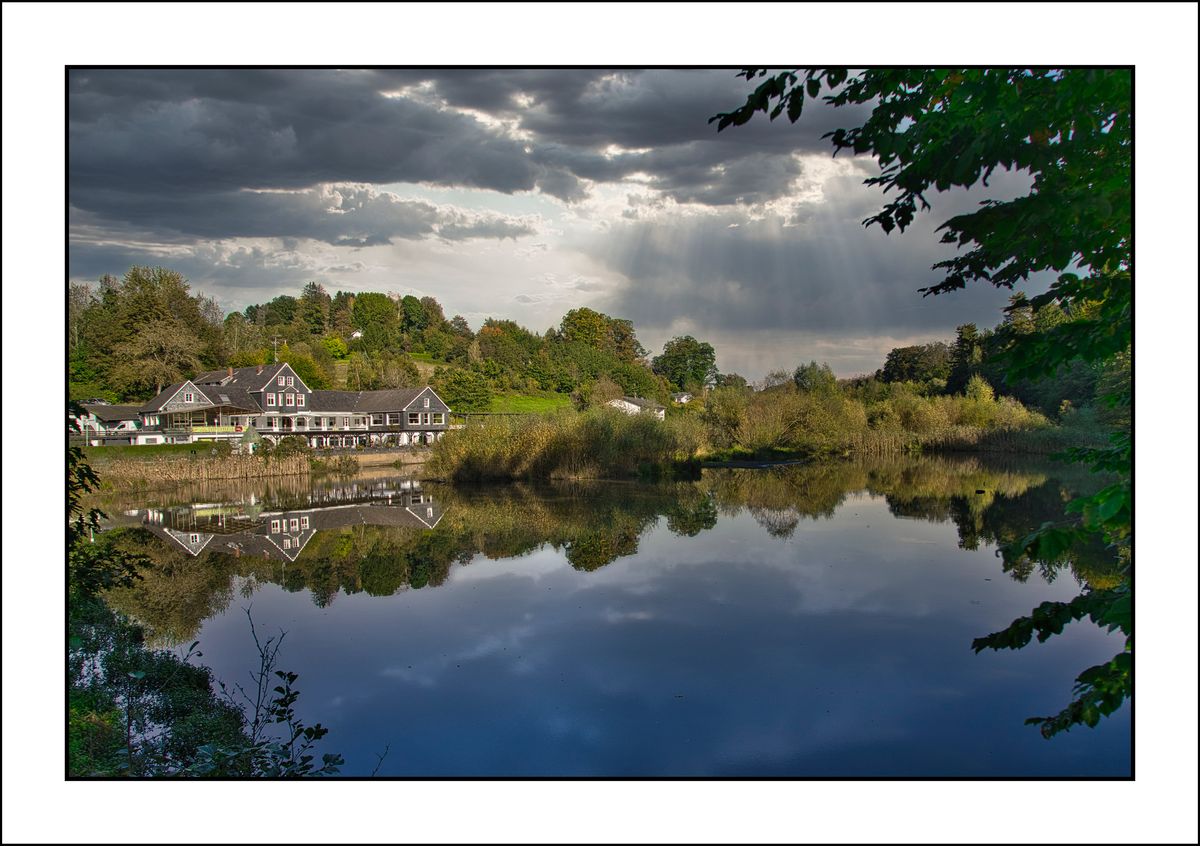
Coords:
333,400
110,413
390,400
162,399
233,396
642,403
248,378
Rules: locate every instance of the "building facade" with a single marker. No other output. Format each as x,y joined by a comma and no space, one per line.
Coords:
273,401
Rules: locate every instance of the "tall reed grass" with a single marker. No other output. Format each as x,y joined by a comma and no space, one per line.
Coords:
600,443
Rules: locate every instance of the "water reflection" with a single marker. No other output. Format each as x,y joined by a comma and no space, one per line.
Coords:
808,620
385,534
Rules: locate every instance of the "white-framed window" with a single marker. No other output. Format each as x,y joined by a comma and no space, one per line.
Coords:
193,539
376,419
438,418
287,543
424,418
429,512
426,402
270,399
295,524
300,400
303,522
414,419
274,527
345,422
290,381
360,421
271,422
290,399
189,397
280,381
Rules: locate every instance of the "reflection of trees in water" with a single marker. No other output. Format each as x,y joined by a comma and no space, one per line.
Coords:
593,524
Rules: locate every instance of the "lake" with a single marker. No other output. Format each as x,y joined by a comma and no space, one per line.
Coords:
811,621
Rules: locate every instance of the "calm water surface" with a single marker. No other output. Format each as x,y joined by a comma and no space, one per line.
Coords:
808,621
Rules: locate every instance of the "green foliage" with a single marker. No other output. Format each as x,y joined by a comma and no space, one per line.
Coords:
462,390
920,363
686,363
336,347
375,315
815,378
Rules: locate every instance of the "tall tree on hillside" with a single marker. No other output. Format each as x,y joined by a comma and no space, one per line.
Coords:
434,316
376,317
412,314
341,314
160,353
312,312
686,363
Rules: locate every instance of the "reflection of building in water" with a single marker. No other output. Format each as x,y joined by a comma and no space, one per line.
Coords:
274,534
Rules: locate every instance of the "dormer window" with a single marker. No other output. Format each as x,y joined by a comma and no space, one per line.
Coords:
281,381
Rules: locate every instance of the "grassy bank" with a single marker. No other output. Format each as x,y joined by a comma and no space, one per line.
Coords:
529,403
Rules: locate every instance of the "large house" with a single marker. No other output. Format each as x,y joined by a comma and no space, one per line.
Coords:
274,401
638,405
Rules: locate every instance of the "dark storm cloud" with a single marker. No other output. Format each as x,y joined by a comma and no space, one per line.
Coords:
179,147
343,215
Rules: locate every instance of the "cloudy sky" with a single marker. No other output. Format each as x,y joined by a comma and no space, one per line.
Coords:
511,193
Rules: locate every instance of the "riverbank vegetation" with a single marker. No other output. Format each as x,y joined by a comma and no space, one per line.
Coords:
805,417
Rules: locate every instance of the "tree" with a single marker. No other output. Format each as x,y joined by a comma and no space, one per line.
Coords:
376,315
1071,130
462,390
815,378
313,310
918,363
159,354
965,358
686,363
412,314
730,380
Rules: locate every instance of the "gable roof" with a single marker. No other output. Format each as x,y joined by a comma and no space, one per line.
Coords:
167,395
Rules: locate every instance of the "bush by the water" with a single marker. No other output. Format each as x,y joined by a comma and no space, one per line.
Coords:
880,419
597,443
